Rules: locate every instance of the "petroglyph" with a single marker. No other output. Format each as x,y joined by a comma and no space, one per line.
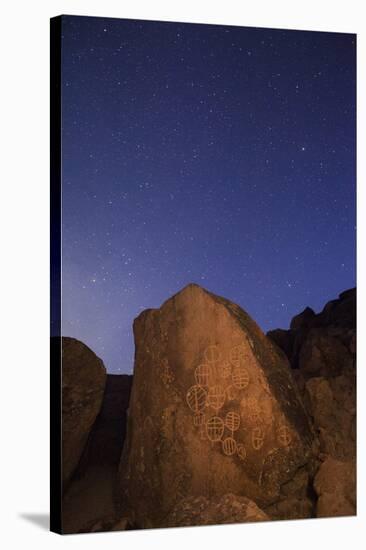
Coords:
237,354
242,453
225,370
284,435
229,446
216,397
257,438
220,381
212,354
196,398
240,377
166,375
215,428
199,419
232,421
204,374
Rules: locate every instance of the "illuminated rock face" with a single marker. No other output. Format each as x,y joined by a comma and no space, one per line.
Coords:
213,410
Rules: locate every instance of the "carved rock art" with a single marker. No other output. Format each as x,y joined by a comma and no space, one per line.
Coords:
284,436
219,429
229,446
238,354
216,397
199,419
242,453
204,374
196,398
257,438
232,421
215,428
225,370
240,377
212,354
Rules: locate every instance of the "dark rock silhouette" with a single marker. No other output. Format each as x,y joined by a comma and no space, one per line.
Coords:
335,484
322,350
213,410
89,503
83,381
338,318
107,436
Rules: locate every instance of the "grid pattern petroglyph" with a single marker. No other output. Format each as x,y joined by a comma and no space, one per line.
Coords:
220,383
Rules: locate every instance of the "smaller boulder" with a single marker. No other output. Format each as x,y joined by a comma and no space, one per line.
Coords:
335,485
227,509
332,405
83,382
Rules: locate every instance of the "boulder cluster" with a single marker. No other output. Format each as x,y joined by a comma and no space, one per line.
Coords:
220,423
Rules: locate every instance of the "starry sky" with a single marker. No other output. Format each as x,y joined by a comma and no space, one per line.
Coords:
223,156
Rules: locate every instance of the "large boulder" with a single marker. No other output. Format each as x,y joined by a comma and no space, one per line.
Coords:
213,410
219,510
83,381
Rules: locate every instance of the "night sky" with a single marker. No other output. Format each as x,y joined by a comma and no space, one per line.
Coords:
223,156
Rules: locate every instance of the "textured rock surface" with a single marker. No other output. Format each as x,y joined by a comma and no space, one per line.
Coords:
337,320
213,410
331,402
335,484
226,509
88,503
107,436
83,381
322,349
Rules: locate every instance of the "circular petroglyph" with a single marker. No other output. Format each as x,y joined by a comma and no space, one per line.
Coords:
225,370
242,453
232,421
198,419
240,377
196,398
229,446
212,354
237,354
203,374
257,438
284,436
215,428
216,397
253,409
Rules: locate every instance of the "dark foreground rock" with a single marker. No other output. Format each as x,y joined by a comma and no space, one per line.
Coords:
89,502
216,511
214,410
83,381
322,351
335,484
107,436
